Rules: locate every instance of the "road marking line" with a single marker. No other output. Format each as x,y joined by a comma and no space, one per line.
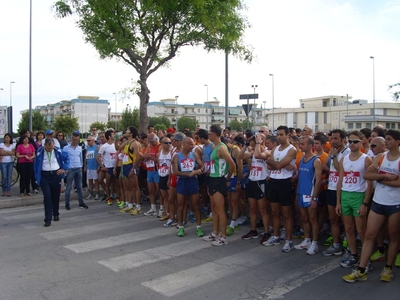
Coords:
183,281
134,260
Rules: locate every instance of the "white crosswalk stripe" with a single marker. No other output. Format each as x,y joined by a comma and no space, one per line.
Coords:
134,260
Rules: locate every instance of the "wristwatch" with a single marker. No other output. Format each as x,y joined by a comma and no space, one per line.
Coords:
314,198
365,203
333,156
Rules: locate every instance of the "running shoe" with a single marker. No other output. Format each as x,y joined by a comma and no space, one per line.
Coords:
200,232
305,244
351,262
298,234
345,244
104,198
89,197
386,274
397,262
160,213
206,220
174,223
118,200
328,241
122,204
230,230
260,224
110,201
150,213
242,220
355,275
282,234
272,241
96,197
287,247
346,255
136,211
313,249
264,237
252,234
210,238
181,231
220,242
126,209
165,217
169,223
378,256
332,251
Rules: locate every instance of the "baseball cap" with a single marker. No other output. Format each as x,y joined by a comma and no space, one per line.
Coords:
170,130
179,136
76,132
49,131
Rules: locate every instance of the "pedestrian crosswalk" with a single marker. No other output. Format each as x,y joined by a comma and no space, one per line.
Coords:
135,245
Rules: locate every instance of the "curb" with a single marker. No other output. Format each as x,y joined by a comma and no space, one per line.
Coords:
17,201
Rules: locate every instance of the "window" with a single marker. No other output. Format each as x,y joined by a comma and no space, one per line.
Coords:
351,125
316,117
368,125
358,125
198,110
324,103
398,125
325,117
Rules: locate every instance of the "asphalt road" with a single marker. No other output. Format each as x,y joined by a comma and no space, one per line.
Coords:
100,253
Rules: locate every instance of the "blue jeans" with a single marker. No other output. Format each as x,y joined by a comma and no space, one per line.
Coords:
75,175
6,175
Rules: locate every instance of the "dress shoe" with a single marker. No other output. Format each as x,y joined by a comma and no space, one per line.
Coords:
67,207
47,224
56,218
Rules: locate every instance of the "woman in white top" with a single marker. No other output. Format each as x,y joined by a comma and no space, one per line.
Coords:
7,150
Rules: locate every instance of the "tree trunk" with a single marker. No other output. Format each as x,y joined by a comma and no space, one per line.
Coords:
144,100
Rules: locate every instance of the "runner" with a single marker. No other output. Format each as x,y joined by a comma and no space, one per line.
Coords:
221,170
385,169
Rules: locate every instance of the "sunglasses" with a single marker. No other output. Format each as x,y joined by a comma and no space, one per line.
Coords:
167,143
373,146
354,141
261,131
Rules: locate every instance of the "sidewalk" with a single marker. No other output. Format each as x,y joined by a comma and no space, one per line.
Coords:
16,201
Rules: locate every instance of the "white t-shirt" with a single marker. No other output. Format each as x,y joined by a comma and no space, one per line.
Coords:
109,155
7,158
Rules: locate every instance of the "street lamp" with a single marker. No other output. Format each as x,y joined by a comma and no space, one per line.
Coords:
273,109
206,85
373,89
254,86
11,110
115,94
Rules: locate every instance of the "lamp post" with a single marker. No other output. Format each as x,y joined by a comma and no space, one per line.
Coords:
176,112
373,89
206,85
273,106
1,89
30,66
115,94
347,107
11,110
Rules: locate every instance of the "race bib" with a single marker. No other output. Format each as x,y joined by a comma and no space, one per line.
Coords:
255,172
90,154
306,199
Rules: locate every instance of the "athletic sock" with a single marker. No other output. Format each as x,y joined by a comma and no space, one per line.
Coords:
233,223
153,207
362,270
389,267
336,245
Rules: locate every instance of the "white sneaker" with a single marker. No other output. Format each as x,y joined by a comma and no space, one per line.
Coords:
220,242
313,249
151,212
96,197
288,246
305,244
160,214
35,191
89,197
282,234
241,220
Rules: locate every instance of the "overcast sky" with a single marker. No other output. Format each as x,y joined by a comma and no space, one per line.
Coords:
313,48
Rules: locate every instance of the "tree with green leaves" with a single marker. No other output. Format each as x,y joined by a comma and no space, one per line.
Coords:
186,122
38,121
158,127
153,121
235,125
99,126
147,34
130,117
65,124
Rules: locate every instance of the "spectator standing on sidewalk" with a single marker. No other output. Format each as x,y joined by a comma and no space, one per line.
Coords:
50,166
7,151
25,153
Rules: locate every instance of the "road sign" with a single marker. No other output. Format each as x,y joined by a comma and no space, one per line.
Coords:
248,96
247,108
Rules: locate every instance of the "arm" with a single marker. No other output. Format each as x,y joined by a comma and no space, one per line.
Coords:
223,153
339,189
277,165
200,165
317,184
239,165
